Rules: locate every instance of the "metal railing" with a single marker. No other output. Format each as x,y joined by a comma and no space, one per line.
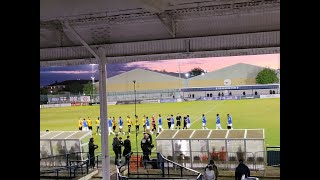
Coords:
66,166
159,165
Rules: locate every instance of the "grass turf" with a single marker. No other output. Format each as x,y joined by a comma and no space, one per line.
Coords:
246,114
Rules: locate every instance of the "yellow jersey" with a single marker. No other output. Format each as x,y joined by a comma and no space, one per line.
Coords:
80,123
137,122
89,122
128,121
114,123
97,122
144,121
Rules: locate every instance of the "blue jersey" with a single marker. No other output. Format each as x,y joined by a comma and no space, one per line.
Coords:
147,122
160,121
188,120
204,120
218,120
84,124
229,120
109,122
120,122
172,120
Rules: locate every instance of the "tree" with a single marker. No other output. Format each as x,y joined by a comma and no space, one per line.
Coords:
267,76
75,87
43,91
88,88
196,71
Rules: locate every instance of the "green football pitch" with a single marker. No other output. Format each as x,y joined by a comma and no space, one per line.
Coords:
246,114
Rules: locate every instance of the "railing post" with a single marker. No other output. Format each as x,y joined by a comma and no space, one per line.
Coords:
181,171
97,161
168,168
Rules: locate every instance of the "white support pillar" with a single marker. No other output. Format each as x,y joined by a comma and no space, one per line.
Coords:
104,115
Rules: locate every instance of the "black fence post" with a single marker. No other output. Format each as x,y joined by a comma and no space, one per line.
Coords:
181,171
168,168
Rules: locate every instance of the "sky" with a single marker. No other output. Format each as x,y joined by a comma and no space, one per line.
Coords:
49,75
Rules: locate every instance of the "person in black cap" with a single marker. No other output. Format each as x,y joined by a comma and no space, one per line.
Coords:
127,148
241,170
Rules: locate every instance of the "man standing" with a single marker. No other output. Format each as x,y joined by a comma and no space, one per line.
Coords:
145,146
127,149
84,125
137,123
90,124
214,168
110,126
114,124
159,124
98,126
229,121
80,124
169,122
185,122
116,148
147,124
188,122
129,124
204,122
242,171
92,147
120,125
144,123
172,122
218,124
153,123
178,118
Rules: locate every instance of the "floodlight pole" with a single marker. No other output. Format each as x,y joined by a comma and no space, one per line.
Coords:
103,115
135,113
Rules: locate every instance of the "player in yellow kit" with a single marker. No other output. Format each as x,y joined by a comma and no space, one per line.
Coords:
137,124
98,126
144,123
114,124
80,124
129,124
89,124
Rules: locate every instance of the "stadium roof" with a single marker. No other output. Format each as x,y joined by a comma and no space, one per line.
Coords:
73,31
142,75
240,70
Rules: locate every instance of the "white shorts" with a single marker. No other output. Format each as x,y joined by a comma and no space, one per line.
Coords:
85,129
120,127
218,125
172,126
204,124
148,127
160,126
110,129
188,126
230,125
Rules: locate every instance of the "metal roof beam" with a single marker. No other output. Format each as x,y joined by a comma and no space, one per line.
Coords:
66,23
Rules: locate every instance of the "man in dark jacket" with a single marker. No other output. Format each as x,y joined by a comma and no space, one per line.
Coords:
116,148
92,147
127,148
241,170
146,146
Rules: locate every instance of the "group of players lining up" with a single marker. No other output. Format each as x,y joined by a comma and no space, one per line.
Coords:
86,124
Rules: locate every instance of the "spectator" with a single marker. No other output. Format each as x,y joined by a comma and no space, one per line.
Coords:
244,93
92,148
127,149
214,168
255,93
116,148
230,94
192,95
242,171
209,173
145,146
219,94
222,94
273,92
270,91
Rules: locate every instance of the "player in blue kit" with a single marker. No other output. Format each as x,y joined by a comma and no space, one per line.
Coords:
229,121
159,124
218,123
204,122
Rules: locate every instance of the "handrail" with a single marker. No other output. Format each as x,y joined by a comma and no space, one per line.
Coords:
179,164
